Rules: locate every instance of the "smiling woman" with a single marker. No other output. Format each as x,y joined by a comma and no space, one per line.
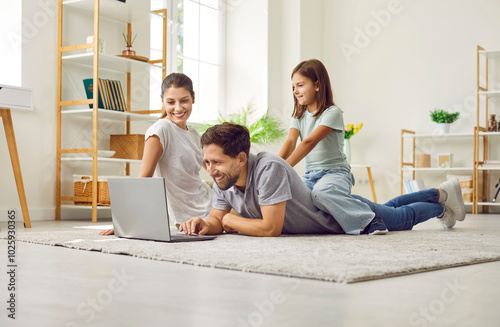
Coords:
172,151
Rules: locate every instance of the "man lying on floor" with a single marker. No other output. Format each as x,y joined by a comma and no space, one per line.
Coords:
272,199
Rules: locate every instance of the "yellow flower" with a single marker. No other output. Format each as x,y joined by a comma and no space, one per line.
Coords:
351,129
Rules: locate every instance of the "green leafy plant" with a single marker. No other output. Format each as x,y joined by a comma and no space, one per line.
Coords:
443,116
265,130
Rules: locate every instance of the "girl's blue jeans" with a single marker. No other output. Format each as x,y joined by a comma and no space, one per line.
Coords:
331,192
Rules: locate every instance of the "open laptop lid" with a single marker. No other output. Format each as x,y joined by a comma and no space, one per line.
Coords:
139,208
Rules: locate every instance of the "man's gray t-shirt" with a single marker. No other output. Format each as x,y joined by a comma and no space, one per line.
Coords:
272,180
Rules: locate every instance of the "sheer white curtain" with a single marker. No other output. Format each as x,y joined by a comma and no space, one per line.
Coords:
195,47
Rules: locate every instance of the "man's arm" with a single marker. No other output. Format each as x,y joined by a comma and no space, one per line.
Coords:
271,224
211,226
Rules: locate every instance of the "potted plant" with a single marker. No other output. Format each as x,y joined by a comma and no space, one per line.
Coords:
444,119
265,130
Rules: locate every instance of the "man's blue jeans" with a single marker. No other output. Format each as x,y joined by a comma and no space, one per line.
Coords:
405,211
331,192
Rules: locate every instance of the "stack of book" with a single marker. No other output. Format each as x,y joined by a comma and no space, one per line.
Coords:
413,185
110,94
491,163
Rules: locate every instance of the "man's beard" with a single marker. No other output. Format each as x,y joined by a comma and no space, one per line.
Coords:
230,181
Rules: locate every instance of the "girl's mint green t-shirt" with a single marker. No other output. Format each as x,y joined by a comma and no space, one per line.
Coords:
328,153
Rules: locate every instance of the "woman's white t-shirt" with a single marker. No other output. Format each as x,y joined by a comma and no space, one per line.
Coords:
180,163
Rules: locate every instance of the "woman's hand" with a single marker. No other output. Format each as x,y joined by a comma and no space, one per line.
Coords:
107,232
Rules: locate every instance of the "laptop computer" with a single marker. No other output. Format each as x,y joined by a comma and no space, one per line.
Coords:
139,210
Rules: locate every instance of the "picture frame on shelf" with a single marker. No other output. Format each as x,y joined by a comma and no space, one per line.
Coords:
444,160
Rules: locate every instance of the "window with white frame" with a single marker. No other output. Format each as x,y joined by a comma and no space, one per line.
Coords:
10,43
195,42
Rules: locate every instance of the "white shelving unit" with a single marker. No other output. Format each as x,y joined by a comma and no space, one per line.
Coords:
112,11
410,166
440,169
481,133
105,114
438,136
111,63
72,56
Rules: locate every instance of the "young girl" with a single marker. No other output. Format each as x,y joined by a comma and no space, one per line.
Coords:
172,150
320,125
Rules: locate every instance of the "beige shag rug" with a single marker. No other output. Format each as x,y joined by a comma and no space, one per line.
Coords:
338,258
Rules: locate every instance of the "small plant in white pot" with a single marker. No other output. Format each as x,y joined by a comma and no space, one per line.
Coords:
444,119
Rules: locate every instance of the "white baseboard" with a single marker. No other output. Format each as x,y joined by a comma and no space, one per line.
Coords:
41,214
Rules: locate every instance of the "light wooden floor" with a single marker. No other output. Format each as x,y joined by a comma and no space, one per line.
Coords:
64,287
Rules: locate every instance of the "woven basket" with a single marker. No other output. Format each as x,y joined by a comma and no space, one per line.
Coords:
467,194
423,160
127,146
82,191
103,194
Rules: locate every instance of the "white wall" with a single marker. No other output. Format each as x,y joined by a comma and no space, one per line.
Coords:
390,63
424,57
292,38
246,55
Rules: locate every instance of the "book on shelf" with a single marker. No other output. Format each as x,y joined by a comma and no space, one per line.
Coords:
112,105
103,95
119,95
89,91
413,185
110,94
490,162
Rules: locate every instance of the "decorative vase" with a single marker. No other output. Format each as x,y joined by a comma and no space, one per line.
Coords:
347,150
129,51
444,128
